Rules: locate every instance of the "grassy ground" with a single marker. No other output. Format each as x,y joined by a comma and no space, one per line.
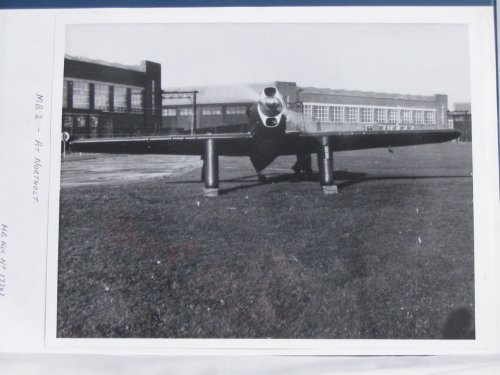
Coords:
391,256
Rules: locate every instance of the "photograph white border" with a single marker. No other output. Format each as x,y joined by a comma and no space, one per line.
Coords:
485,180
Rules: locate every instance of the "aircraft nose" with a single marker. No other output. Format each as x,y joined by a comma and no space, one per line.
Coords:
271,102
272,106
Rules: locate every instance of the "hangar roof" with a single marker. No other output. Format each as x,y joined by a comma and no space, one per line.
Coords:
367,94
216,94
249,92
138,68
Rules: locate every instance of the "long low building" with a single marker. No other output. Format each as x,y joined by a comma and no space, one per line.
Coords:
103,99
358,110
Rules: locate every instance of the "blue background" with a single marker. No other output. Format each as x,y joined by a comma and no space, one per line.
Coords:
20,4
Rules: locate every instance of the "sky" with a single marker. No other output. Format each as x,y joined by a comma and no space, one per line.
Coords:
419,59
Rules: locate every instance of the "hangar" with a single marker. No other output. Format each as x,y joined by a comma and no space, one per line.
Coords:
102,99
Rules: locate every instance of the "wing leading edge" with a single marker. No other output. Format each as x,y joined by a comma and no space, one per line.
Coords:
344,141
240,144
237,144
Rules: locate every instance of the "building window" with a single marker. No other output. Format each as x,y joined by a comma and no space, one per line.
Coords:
80,121
185,111
236,110
450,123
369,127
68,121
352,114
419,116
93,121
169,112
81,95
321,113
382,127
153,101
101,96
65,94
406,116
136,102
380,115
366,114
430,117
307,112
393,116
211,111
120,99
337,114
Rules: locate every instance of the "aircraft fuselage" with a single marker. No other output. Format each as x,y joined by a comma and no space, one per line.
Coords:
268,125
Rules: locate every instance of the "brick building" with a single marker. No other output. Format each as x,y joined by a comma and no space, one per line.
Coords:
103,99
358,110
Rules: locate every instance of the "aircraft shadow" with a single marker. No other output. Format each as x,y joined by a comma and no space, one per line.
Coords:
249,178
271,179
343,179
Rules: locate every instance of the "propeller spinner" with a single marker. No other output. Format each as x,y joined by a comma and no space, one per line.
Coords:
271,107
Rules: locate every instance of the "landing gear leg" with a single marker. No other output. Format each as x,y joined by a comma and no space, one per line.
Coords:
211,169
325,163
303,163
203,168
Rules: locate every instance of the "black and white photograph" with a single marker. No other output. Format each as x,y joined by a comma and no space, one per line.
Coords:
266,181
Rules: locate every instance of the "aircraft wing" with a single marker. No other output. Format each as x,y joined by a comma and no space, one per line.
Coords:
240,144
344,141
228,144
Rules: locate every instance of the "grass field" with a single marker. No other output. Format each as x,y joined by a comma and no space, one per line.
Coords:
390,256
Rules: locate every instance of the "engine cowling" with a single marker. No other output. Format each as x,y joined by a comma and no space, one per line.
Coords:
271,107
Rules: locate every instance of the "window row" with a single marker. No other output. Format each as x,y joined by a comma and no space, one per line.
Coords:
395,127
381,115
103,94
389,127
206,111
